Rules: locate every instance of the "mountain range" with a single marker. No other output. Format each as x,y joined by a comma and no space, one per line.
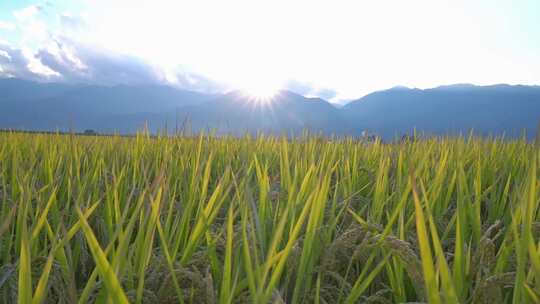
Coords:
512,110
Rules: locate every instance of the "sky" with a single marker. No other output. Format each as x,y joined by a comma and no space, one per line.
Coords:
337,50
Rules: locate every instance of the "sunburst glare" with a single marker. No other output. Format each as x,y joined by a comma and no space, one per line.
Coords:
262,91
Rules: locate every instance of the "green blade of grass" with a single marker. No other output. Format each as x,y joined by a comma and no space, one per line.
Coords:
112,284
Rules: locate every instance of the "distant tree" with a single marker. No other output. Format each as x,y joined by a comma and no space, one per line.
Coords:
370,137
90,132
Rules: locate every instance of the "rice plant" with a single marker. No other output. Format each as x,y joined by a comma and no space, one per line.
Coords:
97,219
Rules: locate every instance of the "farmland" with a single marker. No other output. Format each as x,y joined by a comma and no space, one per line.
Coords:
109,219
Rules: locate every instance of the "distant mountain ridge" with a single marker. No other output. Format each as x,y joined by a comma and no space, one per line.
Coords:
488,110
450,109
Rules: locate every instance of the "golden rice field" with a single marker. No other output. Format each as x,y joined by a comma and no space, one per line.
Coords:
97,219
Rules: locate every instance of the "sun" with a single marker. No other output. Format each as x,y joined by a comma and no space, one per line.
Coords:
258,87
261,91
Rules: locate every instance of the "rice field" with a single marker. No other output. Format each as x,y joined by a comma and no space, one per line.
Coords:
88,219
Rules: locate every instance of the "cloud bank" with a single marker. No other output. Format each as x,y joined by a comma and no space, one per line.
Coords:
63,54
61,57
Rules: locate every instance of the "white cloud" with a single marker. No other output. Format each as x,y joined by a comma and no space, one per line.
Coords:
67,60
33,24
72,22
78,62
5,54
27,12
35,65
7,26
20,63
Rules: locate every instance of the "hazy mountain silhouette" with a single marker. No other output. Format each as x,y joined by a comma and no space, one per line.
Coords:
286,112
125,109
488,110
36,106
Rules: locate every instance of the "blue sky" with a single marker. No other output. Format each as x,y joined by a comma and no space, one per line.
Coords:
334,49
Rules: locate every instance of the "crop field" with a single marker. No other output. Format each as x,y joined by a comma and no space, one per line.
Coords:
88,219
